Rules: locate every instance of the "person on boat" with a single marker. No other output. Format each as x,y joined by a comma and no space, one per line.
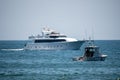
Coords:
89,53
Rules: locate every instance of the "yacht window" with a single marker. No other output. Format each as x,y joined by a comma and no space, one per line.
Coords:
49,40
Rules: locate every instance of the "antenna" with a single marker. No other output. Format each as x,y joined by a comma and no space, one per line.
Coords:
87,39
90,40
85,34
92,35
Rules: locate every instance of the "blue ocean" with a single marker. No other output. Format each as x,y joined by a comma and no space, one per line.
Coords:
19,64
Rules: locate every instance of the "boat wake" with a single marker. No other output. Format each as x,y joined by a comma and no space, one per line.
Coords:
12,49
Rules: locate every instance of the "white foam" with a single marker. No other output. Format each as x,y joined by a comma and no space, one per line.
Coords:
12,49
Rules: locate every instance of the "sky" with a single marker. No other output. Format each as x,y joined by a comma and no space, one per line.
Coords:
78,19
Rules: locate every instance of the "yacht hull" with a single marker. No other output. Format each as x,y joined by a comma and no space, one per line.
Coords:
75,45
96,59
101,58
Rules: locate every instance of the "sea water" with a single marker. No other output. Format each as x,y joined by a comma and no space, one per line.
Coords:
19,64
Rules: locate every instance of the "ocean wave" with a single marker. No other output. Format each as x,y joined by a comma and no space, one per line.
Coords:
12,49
8,74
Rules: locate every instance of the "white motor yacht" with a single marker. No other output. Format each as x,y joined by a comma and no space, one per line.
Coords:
52,40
